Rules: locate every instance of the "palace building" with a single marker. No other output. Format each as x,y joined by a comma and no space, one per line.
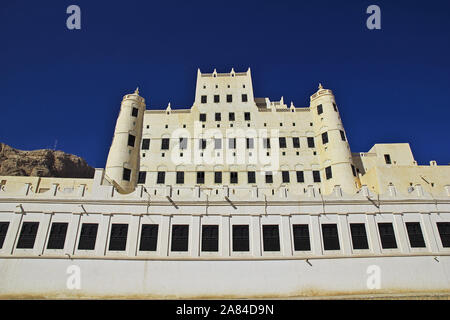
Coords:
236,196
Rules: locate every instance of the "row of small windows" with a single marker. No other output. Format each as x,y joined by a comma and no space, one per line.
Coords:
218,116
282,141
229,98
210,236
251,176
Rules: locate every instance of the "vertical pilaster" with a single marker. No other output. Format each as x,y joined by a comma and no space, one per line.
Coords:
428,233
72,233
372,234
345,234
402,236
286,236
102,236
44,232
255,236
164,238
195,236
225,236
133,234
316,243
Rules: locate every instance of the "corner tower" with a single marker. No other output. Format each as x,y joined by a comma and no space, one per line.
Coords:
122,165
331,141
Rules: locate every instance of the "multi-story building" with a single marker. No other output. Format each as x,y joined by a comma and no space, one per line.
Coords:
236,196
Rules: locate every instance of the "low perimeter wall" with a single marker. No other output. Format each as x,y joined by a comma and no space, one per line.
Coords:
136,279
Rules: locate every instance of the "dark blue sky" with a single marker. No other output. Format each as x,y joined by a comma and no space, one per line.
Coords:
391,85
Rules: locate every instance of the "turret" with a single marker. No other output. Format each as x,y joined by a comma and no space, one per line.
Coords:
334,153
122,166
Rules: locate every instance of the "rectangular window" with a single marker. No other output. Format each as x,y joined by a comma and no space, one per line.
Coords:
180,237
240,238
131,140
149,237
244,98
353,170
271,238
88,236
387,236
217,143
269,177
28,235
210,238
282,141
161,179
126,176
165,144
266,143
300,177
57,235
250,143
285,176
200,177
444,233
359,236
296,142
183,143
216,98
251,175
415,235
325,138
301,237
319,109
387,158
311,142
233,177
328,173
342,135
316,176
330,237
145,144
232,143
218,177
218,116
3,230
118,237
335,107
134,112
180,177
247,116
203,99
202,117
142,177
202,144
231,116
229,98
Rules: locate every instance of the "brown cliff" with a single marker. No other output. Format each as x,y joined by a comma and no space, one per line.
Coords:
42,163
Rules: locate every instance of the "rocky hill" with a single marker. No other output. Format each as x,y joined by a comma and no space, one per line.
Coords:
42,163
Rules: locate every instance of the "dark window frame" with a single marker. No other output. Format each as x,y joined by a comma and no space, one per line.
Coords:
330,237
149,237
240,238
271,238
302,240
118,237
210,238
359,236
180,238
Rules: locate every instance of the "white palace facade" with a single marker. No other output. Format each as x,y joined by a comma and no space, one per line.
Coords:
235,197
